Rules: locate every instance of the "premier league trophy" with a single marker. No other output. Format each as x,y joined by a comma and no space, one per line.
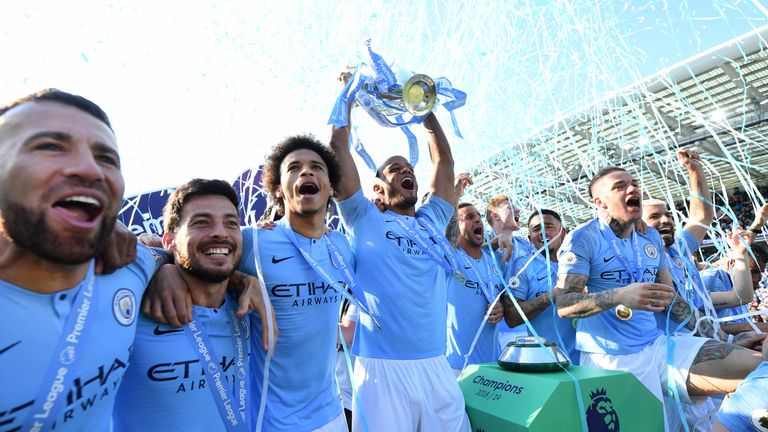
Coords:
395,97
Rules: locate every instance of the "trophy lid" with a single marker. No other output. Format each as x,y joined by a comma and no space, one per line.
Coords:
527,354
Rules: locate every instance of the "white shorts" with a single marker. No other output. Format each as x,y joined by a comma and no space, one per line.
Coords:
407,395
339,424
699,414
650,364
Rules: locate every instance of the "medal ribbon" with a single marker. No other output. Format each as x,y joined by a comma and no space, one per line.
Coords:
66,357
235,419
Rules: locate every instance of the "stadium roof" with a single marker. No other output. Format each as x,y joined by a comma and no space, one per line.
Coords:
716,102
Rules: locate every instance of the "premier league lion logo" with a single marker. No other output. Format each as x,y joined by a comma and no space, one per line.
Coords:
600,415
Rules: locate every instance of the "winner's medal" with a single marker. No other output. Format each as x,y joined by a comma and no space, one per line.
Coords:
623,312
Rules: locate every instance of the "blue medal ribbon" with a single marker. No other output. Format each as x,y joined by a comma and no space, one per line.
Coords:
66,357
486,287
448,260
350,278
234,413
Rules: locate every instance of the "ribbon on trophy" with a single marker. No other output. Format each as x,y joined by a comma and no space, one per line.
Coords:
394,100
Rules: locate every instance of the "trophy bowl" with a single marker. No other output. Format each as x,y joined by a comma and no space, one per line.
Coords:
419,94
527,354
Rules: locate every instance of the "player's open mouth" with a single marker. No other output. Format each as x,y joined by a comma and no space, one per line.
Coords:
80,210
407,183
478,231
666,230
633,202
308,189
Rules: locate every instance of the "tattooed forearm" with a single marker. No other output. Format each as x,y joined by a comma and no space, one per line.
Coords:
573,302
714,350
452,230
530,308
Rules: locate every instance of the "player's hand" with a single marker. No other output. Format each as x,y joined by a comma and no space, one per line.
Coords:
167,299
151,240
379,205
750,340
344,77
496,314
505,245
461,182
251,297
689,159
738,242
119,250
647,296
266,225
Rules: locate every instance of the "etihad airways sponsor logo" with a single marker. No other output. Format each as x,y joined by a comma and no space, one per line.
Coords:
82,395
623,276
410,247
307,293
188,375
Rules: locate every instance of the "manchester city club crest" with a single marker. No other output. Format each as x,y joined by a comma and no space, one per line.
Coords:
124,306
759,419
650,251
514,282
678,262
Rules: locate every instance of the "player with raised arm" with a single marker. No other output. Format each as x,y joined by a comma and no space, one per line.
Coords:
613,279
401,374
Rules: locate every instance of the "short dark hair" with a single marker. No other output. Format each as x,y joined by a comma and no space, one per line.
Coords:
600,174
193,188
62,97
543,212
271,178
464,204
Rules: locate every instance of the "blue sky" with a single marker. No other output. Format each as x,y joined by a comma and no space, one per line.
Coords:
205,88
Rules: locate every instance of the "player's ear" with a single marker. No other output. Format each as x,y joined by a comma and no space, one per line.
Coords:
168,243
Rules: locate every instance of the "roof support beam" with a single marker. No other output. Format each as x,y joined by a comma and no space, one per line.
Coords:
754,94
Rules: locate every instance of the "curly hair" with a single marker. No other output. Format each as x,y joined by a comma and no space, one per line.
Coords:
271,178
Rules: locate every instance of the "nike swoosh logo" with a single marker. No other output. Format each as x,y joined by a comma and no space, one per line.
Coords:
9,347
541,278
276,260
467,267
606,260
159,332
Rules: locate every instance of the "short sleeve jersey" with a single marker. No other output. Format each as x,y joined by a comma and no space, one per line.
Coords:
747,408
718,280
586,252
405,289
164,388
536,279
32,324
302,392
467,306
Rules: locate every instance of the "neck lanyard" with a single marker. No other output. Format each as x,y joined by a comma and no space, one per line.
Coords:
350,278
66,357
448,260
235,418
486,286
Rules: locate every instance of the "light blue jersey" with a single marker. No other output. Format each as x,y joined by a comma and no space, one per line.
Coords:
537,279
468,301
686,282
302,393
718,280
523,251
404,287
164,388
31,326
747,408
585,251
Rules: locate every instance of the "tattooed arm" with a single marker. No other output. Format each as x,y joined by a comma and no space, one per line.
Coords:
530,308
452,230
573,302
